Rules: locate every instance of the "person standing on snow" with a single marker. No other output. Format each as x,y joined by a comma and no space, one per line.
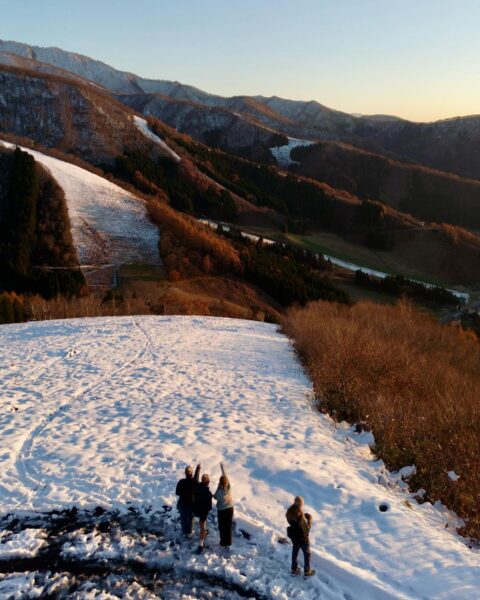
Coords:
184,491
298,531
202,503
224,499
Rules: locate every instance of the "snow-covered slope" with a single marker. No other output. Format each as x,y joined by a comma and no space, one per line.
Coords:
22,62
142,125
88,68
109,224
282,153
108,412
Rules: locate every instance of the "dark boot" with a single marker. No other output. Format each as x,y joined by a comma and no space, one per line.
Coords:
309,573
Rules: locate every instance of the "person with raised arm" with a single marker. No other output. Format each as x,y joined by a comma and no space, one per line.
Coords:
224,499
202,503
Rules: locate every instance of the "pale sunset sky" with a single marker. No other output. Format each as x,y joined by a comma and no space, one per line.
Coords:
417,59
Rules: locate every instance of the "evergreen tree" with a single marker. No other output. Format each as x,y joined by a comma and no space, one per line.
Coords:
19,224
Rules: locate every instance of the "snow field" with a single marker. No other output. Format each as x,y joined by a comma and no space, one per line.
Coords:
282,153
109,224
109,411
142,125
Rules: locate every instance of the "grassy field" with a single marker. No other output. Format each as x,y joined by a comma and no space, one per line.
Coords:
395,262
141,272
330,243
424,255
358,293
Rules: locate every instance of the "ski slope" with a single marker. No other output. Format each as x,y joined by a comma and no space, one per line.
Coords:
109,224
107,412
142,125
282,153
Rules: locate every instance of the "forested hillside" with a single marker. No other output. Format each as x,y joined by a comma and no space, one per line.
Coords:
70,116
425,193
36,250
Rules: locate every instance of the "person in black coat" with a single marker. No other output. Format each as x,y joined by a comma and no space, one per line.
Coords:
298,530
202,503
184,492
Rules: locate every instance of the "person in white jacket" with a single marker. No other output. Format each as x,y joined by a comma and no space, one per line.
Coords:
224,499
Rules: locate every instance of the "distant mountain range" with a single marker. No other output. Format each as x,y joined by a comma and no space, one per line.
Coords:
451,145
296,166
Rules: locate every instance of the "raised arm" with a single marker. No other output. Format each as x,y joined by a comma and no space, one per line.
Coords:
197,474
224,473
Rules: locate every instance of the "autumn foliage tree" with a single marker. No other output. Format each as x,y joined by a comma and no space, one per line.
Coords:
189,248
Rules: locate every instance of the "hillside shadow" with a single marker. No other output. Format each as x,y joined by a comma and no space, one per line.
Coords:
62,558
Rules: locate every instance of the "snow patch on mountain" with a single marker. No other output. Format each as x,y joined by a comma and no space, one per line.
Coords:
115,424
109,225
142,125
282,153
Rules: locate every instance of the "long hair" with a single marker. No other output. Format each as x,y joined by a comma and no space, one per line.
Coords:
223,482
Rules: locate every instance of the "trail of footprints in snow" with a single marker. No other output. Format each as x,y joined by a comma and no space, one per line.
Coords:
29,477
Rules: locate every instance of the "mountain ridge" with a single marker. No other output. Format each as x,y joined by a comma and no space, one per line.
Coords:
450,144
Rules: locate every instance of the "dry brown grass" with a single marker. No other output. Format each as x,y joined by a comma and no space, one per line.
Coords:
414,382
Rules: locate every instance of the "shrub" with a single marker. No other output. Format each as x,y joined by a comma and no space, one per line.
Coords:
11,309
414,382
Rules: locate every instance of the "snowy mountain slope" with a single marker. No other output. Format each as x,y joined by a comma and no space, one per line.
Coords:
109,224
108,411
101,73
22,62
142,125
450,145
282,153
88,68
218,126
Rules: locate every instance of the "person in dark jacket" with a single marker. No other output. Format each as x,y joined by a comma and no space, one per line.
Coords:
224,499
202,503
298,531
184,492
